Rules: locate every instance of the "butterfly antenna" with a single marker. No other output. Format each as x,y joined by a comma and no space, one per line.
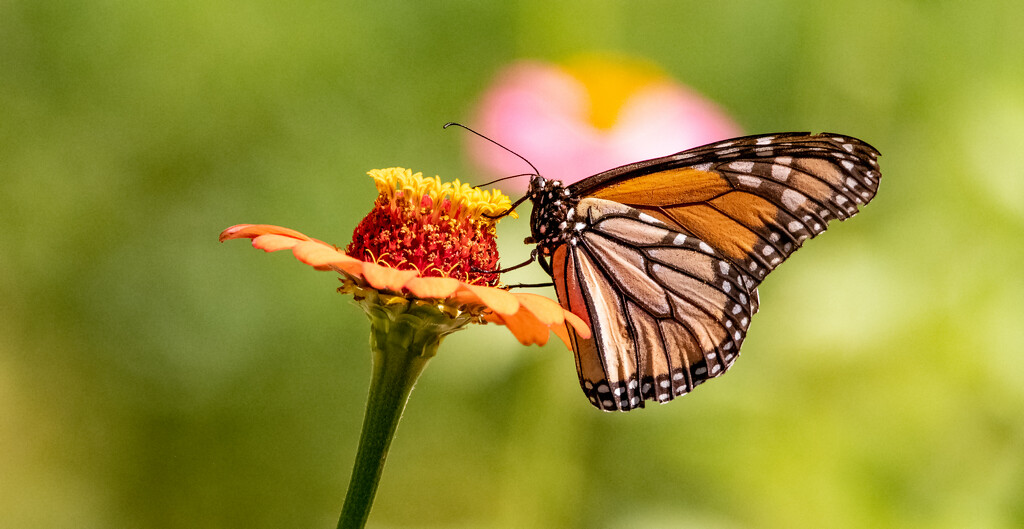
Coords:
514,153
492,182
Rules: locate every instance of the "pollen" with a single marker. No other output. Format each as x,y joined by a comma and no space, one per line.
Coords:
439,229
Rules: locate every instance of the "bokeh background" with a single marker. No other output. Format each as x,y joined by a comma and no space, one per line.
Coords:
151,377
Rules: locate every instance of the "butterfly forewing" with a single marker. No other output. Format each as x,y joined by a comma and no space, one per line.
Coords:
755,199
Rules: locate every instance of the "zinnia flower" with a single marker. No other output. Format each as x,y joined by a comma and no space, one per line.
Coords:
591,114
421,265
425,242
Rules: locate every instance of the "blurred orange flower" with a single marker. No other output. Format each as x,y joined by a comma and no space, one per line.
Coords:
428,243
593,113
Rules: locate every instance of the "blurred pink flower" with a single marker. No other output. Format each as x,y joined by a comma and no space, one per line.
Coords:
589,115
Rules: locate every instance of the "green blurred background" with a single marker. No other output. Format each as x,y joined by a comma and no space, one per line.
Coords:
151,377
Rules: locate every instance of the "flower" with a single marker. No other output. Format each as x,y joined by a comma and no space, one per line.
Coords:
422,265
423,243
593,113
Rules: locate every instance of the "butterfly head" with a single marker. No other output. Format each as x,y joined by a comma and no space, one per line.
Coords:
553,210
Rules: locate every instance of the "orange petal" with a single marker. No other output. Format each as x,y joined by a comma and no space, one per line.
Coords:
320,255
526,328
384,278
432,287
581,327
496,299
548,311
252,231
563,333
273,243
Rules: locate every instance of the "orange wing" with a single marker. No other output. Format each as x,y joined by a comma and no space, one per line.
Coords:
755,199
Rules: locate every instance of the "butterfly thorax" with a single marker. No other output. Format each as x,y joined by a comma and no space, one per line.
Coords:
554,208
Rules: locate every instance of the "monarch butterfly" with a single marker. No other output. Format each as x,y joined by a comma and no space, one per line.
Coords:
662,258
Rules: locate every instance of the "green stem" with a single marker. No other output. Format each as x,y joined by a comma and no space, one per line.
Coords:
403,341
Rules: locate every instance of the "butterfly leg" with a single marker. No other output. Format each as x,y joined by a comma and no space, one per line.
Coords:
531,285
509,210
533,257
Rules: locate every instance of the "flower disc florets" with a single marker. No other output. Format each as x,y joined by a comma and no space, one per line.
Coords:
437,229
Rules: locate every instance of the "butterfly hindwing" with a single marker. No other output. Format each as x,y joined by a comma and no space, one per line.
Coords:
666,313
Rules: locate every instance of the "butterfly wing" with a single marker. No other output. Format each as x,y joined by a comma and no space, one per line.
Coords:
666,263
666,311
756,199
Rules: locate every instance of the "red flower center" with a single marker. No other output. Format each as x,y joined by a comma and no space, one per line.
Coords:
435,241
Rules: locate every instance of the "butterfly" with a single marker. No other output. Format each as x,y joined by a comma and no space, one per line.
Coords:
662,258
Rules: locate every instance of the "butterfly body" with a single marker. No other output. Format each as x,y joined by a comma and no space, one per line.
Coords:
662,258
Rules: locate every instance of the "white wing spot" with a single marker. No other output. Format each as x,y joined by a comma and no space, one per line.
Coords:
679,239
767,250
632,384
704,246
848,147
646,388
764,151
743,298
649,219
726,286
743,167
787,247
765,140
728,324
619,391
774,237
780,172
840,199
665,383
607,403
753,266
792,199
678,375
715,369
744,321
738,335
775,260
700,370
848,165
749,181
736,309
865,194
851,182
817,226
603,388
723,267
795,226
634,401
712,355
727,346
